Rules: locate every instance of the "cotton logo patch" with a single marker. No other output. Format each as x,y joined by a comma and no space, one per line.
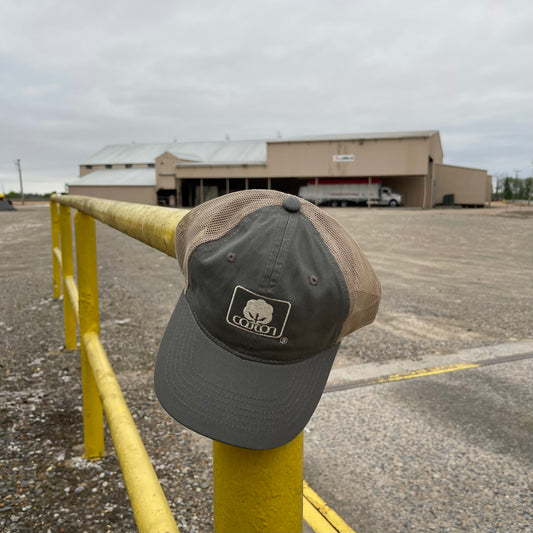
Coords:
257,314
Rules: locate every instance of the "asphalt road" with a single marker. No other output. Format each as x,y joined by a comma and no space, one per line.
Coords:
447,453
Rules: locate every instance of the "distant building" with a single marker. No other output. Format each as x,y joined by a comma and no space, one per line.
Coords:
188,173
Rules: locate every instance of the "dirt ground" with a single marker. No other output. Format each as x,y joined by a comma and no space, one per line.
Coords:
452,279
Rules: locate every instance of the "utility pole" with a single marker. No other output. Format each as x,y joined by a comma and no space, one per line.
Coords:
530,190
17,162
516,186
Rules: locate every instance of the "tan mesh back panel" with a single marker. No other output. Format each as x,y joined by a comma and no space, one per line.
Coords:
212,220
363,285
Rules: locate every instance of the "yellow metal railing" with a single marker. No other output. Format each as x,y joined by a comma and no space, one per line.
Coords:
254,490
100,389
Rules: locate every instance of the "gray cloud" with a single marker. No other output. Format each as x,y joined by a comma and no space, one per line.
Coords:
75,76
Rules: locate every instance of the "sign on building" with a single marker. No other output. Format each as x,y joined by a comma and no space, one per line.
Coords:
343,158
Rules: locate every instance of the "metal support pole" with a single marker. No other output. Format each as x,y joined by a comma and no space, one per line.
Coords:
17,162
54,215
68,272
93,418
258,490
179,195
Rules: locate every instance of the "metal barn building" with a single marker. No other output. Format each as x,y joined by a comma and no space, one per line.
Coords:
189,173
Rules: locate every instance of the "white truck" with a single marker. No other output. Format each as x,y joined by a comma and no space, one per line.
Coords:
349,191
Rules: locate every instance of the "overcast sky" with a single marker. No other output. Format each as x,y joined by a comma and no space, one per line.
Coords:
77,75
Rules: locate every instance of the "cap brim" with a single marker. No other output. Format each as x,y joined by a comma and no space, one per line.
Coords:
231,399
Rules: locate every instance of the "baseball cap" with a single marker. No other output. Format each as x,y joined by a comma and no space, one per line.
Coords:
272,285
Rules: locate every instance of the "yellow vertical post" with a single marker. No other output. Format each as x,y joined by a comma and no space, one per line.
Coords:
68,270
93,418
54,216
258,490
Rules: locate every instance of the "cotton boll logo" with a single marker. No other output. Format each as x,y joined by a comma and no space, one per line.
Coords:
257,314
258,311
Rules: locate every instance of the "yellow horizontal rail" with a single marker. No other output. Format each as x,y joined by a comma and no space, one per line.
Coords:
153,225
148,501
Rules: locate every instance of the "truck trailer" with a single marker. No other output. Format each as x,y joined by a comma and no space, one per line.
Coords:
349,191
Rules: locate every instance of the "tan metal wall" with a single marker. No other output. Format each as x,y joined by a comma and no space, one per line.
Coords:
165,167
140,195
374,157
470,186
435,148
166,181
410,187
488,190
166,163
222,171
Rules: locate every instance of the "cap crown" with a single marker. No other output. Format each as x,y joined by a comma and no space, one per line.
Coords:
218,218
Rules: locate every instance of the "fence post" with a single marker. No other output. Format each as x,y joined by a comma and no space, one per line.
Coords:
55,245
67,267
258,490
93,419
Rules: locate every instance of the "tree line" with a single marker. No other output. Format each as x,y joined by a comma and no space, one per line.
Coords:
509,188
12,195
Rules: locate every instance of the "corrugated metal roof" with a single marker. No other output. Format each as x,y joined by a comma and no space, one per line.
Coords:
120,154
221,153
124,177
360,136
209,152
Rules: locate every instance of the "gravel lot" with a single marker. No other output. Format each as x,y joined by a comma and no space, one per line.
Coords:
451,279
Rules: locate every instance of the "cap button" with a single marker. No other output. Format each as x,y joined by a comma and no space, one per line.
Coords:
292,204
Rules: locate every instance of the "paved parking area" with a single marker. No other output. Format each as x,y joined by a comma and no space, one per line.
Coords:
445,453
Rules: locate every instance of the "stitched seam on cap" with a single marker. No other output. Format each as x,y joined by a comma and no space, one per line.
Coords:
187,228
